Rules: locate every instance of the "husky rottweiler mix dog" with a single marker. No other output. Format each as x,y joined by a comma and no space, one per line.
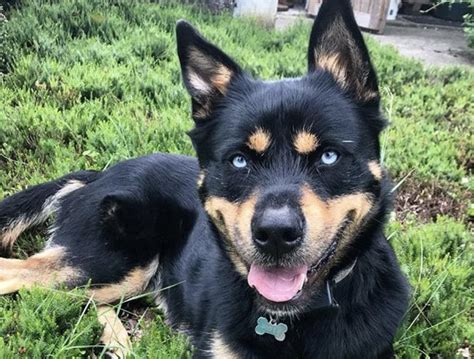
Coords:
278,250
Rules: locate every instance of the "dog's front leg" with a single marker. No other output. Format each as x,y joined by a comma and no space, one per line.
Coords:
114,336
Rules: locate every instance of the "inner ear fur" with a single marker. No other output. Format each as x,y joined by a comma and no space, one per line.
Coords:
337,46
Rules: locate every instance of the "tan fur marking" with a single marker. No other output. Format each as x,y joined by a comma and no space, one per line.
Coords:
329,215
220,350
244,220
45,269
239,265
221,79
114,335
259,141
12,233
325,218
358,202
9,286
222,212
305,142
11,264
21,224
316,214
234,221
376,170
332,63
134,283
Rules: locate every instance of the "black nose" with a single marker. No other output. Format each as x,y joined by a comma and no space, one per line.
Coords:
278,230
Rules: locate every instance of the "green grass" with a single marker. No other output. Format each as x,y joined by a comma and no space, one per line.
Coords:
41,323
90,82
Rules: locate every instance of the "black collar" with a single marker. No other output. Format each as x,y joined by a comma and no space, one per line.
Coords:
325,298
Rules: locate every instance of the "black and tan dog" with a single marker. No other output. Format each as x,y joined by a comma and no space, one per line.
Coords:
280,250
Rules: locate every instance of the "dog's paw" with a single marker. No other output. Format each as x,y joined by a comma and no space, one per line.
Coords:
114,336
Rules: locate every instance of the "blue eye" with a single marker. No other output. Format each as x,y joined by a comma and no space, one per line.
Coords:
239,161
329,157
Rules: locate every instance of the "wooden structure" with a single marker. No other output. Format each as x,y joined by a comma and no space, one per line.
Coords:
369,14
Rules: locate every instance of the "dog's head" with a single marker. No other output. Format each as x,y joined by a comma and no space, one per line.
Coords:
290,172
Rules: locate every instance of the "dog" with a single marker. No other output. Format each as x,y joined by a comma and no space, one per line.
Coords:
270,243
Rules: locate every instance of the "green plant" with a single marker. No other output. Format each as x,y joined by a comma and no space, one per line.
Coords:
160,342
5,51
47,323
438,259
469,29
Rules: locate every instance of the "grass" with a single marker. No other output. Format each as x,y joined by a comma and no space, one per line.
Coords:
39,323
87,83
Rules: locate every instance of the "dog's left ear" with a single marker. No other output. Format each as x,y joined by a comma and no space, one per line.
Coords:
207,71
337,46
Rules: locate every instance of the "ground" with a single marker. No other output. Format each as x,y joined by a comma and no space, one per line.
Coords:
431,45
87,83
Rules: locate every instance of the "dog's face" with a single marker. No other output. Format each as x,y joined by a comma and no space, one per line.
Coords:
289,169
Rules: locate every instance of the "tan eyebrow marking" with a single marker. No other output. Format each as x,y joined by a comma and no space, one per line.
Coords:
259,141
376,170
305,142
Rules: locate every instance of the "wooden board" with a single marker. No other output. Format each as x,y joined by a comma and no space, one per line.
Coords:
369,14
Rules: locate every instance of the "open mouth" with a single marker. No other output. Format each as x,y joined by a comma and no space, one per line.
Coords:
283,284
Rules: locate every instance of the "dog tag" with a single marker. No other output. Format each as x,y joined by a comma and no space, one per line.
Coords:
277,330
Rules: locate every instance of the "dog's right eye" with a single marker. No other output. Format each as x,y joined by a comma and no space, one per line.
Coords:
239,161
329,157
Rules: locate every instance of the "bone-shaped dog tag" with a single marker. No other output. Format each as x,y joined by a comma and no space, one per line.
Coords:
277,330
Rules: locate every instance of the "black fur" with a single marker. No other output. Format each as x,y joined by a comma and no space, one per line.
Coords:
149,207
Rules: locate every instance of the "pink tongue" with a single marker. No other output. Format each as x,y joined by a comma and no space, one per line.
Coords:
277,284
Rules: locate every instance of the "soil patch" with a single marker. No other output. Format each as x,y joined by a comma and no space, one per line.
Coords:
427,200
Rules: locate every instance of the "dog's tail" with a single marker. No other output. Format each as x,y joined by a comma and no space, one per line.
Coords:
36,204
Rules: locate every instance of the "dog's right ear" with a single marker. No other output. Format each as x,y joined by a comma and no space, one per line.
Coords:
207,71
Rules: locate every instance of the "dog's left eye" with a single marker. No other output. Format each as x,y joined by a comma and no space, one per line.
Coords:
239,161
329,157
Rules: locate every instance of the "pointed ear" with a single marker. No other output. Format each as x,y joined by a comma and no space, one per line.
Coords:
207,71
337,46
